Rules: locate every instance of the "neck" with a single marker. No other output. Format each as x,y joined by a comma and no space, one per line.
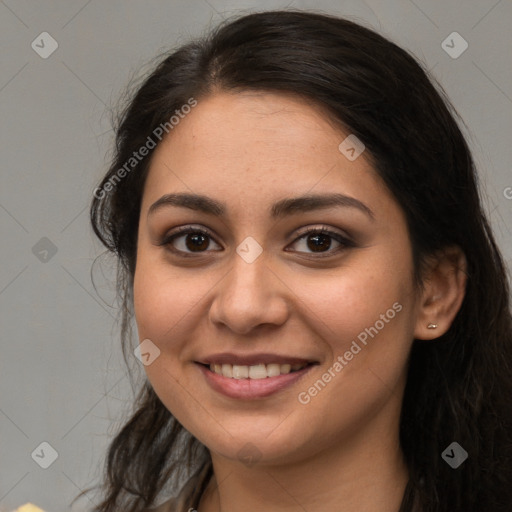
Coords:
366,473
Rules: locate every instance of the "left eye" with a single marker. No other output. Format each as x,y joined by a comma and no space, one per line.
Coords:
189,240
319,240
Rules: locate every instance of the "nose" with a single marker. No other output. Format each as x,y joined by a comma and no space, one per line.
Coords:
249,296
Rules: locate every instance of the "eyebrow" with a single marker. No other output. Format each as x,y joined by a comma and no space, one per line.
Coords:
281,208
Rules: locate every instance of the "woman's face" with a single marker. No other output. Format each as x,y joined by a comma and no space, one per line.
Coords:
257,289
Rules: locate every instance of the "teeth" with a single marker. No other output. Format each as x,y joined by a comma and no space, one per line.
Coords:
286,368
273,370
258,371
225,369
240,372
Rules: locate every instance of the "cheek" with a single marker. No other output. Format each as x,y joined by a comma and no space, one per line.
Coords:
366,321
162,296
365,316
164,312
355,299
149,304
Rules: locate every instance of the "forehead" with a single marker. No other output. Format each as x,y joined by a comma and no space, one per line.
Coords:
237,123
248,145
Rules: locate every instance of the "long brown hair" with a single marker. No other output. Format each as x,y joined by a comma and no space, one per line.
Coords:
459,387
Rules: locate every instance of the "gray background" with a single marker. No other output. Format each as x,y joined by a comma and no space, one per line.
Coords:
62,378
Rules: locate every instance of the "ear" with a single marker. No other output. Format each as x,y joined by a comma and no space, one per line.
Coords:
444,286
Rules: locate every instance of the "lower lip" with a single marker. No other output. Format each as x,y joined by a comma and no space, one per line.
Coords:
251,388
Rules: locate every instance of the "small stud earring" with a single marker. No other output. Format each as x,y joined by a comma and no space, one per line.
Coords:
431,326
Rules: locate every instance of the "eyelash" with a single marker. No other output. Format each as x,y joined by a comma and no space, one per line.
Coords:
185,230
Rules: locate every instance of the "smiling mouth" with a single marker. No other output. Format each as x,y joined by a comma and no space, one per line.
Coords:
255,372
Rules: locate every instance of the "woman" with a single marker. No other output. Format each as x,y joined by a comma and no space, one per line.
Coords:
322,310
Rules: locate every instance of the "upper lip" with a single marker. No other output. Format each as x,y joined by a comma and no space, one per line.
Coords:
252,359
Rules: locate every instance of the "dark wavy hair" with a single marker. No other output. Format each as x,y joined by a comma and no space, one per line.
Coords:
459,387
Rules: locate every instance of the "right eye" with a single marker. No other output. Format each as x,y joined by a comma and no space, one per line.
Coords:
187,240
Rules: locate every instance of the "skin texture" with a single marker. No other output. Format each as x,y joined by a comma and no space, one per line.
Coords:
249,150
